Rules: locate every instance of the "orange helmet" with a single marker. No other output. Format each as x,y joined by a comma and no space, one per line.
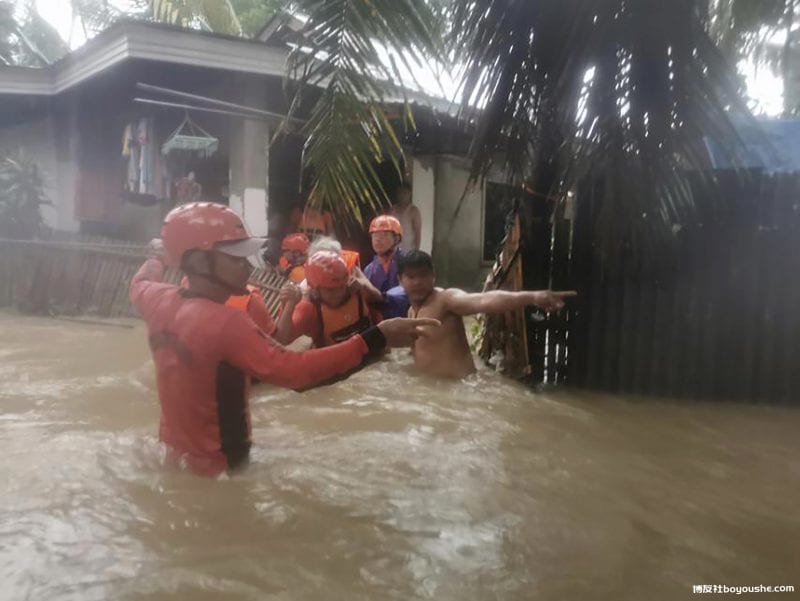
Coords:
326,269
202,225
386,223
298,242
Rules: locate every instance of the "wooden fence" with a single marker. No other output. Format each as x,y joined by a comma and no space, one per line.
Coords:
504,337
534,346
719,319
84,276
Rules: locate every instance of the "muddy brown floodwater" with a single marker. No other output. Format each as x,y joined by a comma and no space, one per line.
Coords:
382,487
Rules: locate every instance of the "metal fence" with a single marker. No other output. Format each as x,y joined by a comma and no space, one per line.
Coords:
84,275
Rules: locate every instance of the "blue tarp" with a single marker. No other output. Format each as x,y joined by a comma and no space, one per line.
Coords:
775,148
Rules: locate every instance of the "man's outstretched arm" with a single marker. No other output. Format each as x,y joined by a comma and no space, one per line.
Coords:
500,301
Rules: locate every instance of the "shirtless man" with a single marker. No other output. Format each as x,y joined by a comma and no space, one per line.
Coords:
446,353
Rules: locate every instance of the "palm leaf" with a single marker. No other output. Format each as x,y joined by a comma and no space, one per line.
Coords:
215,15
748,29
623,92
221,17
740,26
349,45
98,15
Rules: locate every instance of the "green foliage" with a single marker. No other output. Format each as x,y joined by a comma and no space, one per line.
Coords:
214,15
43,36
26,39
21,197
31,41
739,26
474,327
7,42
659,86
749,28
98,15
621,92
253,14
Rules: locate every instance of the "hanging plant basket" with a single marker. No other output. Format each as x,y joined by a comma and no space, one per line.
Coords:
190,137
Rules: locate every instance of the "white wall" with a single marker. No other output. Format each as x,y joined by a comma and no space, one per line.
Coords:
49,146
424,196
249,163
457,243
249,171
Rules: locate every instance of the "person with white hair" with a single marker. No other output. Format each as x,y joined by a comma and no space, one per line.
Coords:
291,294
332,244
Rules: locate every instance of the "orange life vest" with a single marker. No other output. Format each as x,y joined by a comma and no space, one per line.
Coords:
352,259
297,274
340,323
313,222
254,305
238,302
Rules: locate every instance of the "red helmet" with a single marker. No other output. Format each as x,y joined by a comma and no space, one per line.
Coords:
386,223
199,226
326,269
298,242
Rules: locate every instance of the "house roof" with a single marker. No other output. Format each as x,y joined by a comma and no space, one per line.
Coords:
128,40
285,28
773,146
145,41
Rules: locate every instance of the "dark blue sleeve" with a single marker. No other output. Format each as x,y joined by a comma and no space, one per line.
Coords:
369,271
396,304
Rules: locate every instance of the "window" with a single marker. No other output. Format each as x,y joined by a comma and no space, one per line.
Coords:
497,206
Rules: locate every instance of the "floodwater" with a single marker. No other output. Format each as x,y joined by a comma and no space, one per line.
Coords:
382,487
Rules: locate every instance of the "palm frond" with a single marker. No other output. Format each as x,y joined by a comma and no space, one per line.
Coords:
739,27
42,37
221,17
253,14
750,29
351,46
26,39
621,91
98,15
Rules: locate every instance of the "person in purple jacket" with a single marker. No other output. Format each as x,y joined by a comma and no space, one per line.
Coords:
385,233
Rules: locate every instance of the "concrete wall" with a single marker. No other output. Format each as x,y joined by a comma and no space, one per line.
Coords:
47,142
457,243
249,163
424,196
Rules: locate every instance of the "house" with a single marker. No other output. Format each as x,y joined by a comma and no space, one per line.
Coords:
99,121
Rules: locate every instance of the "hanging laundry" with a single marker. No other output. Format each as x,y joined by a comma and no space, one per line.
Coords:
146,158
144,172
126,141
